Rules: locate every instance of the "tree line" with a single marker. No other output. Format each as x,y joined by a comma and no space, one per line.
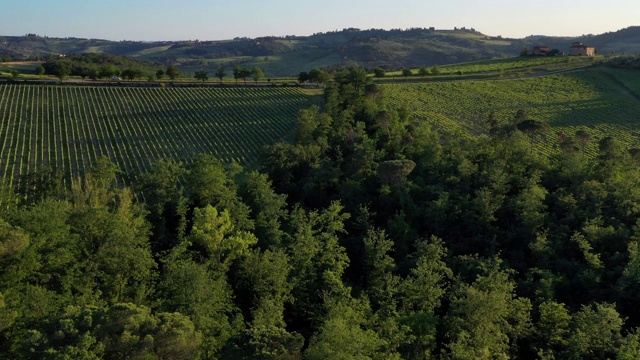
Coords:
370,236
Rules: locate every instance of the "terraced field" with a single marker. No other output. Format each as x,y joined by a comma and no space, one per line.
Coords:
69,127
603,101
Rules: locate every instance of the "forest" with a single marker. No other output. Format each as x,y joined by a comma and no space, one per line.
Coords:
370,236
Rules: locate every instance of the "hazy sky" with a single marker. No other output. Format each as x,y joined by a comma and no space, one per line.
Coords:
215,19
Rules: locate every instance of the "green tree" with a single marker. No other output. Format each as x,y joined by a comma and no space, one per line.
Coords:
172,72
119,331
61,70
486,318
210,184
107,71
583,137
435,70
40,70
159,74
257,74
595,332
244,74
201,75
214,231
131,74
532,129
197,290
264,281
115,240
630,347
379,72
381,282
221,73
552,330
261,342
424,71
303,77
318,260
268,208
406,73
237,70
343,336
318,76
355,76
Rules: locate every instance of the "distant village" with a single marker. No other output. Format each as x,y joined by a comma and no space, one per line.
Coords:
576,49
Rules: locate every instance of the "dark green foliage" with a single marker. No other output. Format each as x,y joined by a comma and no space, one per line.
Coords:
373,236
201,75
172,72
83,64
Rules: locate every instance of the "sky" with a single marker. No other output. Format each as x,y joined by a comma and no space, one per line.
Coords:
152,20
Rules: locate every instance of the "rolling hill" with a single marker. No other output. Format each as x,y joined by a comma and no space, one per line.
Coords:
287,56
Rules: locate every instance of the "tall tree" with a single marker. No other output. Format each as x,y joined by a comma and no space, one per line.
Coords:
486,318
318,76
406,73
40,70
201,75
257,74
424,71
244,74
237,70
221,73
172,72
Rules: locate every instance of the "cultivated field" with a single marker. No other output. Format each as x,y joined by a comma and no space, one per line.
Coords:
603,101
69,127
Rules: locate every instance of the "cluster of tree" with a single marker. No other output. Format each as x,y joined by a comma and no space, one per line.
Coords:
315,75
526,52
5,58
242,73
369,237
99,66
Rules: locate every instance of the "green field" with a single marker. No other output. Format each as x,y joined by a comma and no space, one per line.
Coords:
528,63
69,127
600,100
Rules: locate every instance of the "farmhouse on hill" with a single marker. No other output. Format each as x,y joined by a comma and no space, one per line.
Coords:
578,48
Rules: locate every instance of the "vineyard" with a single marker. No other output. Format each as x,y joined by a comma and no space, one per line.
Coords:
512,63
603,101
70,127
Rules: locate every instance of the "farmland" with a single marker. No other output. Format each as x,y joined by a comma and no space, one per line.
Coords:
602,101
69,127
509,67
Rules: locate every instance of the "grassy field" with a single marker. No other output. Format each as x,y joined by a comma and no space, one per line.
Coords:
69,127
601,100
24,67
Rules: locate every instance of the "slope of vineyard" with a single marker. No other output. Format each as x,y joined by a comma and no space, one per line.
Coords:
70,127
602,101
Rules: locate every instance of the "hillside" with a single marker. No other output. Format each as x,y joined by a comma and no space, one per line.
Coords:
622,42
603,101
287,56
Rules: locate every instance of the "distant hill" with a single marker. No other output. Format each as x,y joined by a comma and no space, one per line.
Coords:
621,42
287,56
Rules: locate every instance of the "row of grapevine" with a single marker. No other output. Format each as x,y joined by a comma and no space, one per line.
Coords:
70,127
588,100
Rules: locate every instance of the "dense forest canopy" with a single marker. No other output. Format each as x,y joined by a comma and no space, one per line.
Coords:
369,237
